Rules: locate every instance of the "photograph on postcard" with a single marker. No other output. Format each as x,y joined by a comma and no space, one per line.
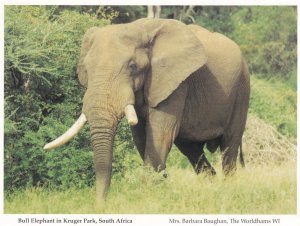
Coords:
150,109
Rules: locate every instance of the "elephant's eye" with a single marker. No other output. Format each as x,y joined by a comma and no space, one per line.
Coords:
133,67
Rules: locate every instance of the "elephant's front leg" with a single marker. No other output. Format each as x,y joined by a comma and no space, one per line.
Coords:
162,127
160,136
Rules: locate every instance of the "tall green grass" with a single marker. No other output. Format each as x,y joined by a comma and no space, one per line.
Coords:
254,190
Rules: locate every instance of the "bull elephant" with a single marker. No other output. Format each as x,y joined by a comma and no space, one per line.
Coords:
175,83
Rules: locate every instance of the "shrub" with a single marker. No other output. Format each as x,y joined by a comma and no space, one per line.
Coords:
275,103
267,36
42,96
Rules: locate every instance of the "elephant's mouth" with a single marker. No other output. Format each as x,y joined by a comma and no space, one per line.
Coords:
79,124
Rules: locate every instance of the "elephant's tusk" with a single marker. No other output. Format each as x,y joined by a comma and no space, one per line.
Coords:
75,128
131,115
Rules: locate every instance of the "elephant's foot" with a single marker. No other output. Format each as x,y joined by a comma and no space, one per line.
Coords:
203,166
208,170
99,204
164,173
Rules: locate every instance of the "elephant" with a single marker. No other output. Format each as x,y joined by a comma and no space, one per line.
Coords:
175,83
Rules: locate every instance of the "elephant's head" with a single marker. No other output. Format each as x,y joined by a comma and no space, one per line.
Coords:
152,56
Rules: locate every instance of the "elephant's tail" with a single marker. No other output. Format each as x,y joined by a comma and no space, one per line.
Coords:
241,155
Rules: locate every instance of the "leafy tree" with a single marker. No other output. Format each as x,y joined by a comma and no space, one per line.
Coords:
267,36
42,95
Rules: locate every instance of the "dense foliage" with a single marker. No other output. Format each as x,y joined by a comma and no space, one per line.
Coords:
268,38
43,96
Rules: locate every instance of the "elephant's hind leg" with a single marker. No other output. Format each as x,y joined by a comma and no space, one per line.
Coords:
229,157
195,154
233,137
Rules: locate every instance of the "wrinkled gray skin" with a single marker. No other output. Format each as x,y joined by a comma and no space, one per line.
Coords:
189,87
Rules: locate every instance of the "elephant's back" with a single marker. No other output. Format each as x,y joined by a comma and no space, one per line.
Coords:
224,57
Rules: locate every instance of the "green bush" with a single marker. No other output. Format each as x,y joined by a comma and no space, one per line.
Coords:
125,155
43,96
277,59
276,103
268,38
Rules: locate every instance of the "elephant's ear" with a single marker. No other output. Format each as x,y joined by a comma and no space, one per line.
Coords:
85,46
176,54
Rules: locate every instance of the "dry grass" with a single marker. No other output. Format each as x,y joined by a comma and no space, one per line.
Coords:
263,145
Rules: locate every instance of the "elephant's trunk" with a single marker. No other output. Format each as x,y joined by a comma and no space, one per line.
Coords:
102,135
103,127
